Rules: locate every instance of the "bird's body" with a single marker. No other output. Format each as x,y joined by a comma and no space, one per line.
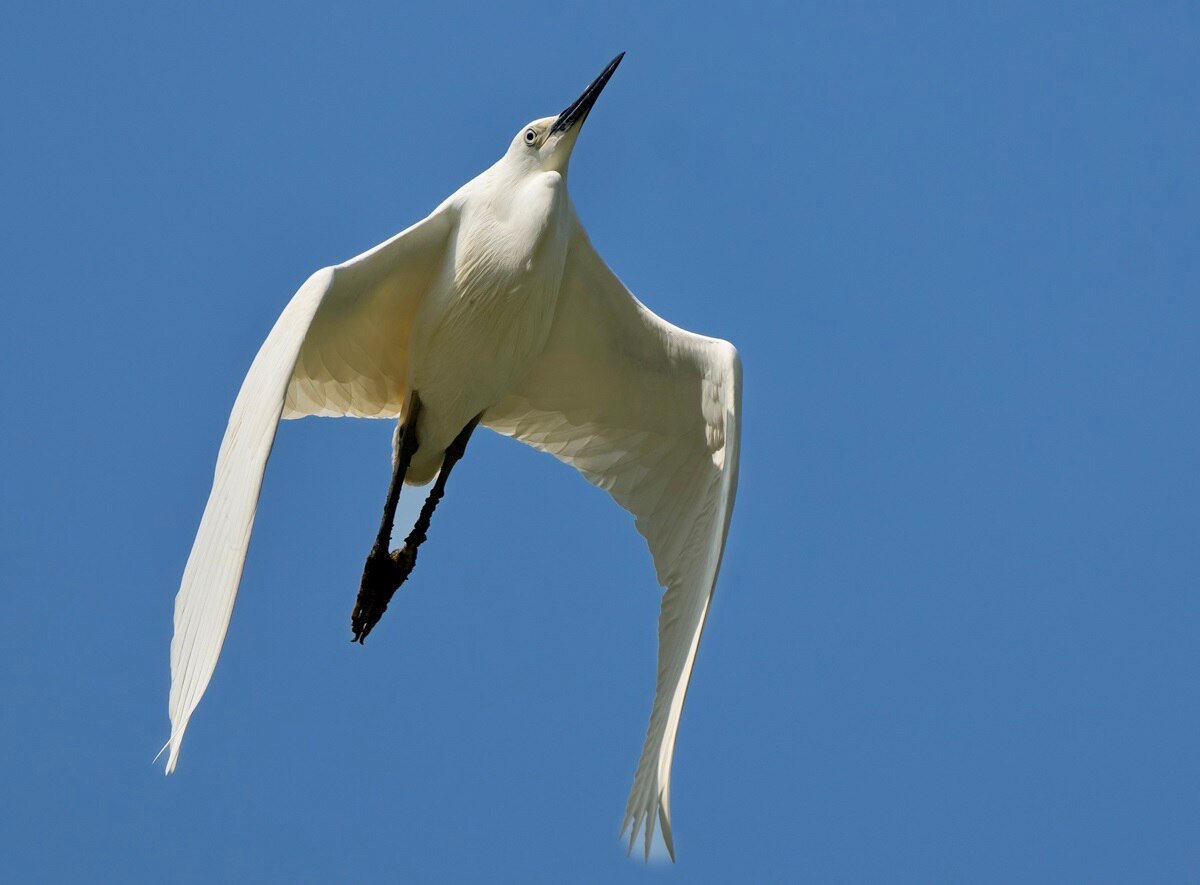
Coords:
494,310
493,299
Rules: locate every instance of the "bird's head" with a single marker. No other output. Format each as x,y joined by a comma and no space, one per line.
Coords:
547,143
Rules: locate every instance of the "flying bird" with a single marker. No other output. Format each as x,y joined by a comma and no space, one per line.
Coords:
495,310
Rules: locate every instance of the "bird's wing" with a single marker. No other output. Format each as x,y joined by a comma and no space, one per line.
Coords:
650,413
338,348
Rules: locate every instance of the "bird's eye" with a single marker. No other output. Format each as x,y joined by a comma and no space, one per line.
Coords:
530,136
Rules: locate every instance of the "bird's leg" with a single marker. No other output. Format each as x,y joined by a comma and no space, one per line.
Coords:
406,557
400,562
381,577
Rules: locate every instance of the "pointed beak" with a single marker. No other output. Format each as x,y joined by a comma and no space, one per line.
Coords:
577,111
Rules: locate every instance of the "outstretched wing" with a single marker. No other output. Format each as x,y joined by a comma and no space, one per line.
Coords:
339,348
650,413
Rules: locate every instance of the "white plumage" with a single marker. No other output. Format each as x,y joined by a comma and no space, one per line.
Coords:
496,304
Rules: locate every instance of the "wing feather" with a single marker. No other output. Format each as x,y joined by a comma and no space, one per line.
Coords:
338,348
650,413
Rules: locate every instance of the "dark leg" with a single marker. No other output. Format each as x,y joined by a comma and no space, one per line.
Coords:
379,578
393,569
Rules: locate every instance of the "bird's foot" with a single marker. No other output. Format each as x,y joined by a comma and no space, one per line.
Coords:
382,576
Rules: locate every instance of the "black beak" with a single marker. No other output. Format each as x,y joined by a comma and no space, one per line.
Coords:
577,110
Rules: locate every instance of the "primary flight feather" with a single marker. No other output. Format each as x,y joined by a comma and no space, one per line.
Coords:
494,310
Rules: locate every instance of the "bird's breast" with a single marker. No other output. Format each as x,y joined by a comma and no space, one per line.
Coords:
487,315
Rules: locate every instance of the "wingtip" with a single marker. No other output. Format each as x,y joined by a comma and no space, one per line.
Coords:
633,823
648,829
643,822
664,827
171,757
172,745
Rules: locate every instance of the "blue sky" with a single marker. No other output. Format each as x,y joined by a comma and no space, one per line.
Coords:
956,634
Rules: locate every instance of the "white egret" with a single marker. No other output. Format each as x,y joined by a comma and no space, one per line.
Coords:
494,310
